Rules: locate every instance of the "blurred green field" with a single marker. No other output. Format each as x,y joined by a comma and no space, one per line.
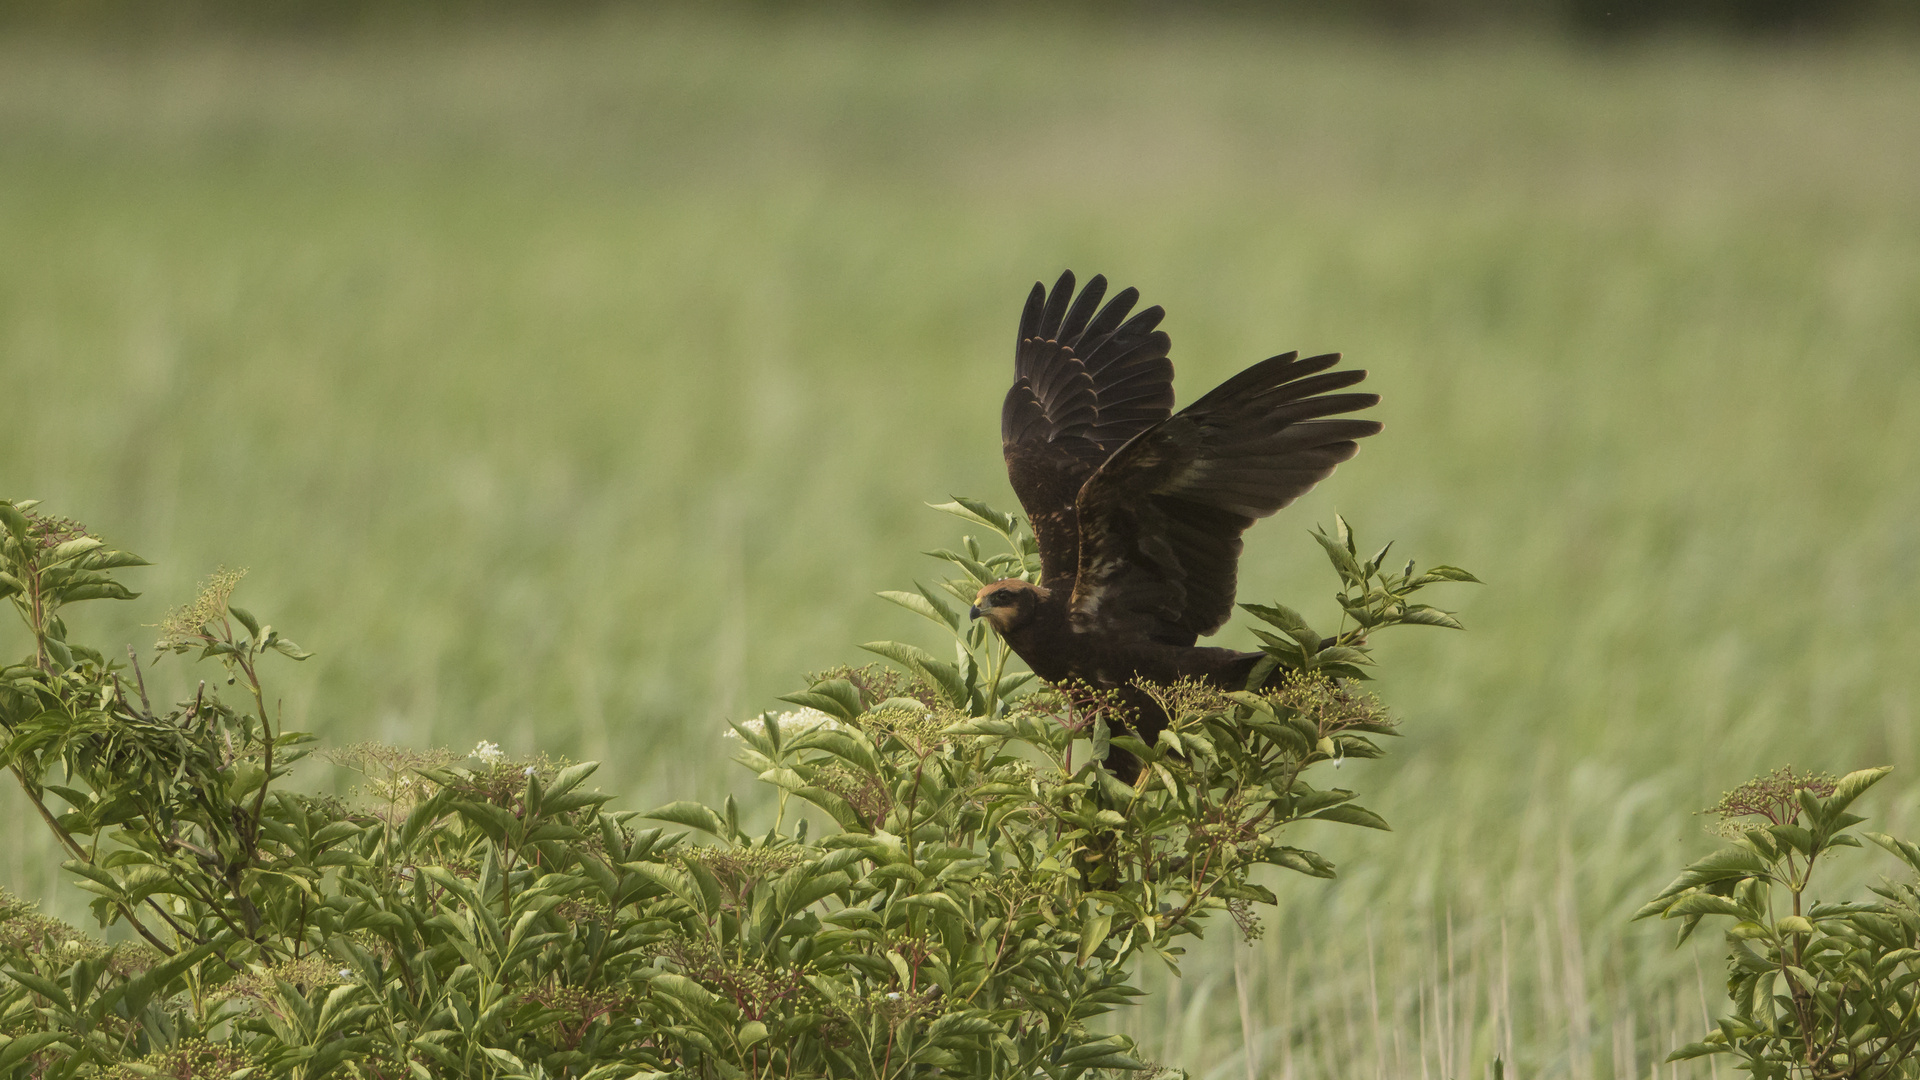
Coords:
576,385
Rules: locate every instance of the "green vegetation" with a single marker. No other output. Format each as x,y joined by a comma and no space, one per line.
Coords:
570,386
1818,989
980,893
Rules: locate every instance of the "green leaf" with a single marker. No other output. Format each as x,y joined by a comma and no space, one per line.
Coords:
671,879
137,991
1283,648
1372,565
851,747
1704,903
1289,620
16,1050
1729,864
836,697
1341,654
1114,1060
15,521
289,650
1901,849
39,984
691,814
928,603
246,619
506,1059
569,778
982,574
1310,863
907,656
979,513
1343,560
104,590
79,545
972,1022
1093,931
112,560
1852,786
1349,814
1422,615
1793,836
1088,1051
938,901
923,663
109,885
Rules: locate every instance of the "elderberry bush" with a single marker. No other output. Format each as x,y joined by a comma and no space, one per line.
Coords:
951,884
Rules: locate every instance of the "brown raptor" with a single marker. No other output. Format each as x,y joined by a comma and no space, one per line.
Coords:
1138,510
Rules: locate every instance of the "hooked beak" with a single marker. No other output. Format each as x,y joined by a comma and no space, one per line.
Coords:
973,612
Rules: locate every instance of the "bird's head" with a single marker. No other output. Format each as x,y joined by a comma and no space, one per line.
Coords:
1008,605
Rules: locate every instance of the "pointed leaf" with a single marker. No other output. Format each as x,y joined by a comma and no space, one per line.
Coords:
1852,786
926,606
691,814
1348,813
1422,615
979,513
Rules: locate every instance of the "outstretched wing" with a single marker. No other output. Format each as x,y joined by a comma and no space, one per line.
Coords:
1160,521
1086,379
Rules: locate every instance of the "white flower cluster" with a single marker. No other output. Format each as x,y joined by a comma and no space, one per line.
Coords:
488,752
791,723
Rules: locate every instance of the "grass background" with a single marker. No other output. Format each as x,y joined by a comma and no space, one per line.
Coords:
574,385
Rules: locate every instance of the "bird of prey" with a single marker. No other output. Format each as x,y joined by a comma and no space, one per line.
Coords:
1137,509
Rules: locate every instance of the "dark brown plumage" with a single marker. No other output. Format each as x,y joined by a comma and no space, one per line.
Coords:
1138,510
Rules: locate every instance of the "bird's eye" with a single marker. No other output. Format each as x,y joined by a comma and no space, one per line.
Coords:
1002,598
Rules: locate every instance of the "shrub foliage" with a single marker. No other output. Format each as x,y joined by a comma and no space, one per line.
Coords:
951,883
1819,990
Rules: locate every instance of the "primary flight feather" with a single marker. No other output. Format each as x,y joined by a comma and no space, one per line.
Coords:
1137,509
